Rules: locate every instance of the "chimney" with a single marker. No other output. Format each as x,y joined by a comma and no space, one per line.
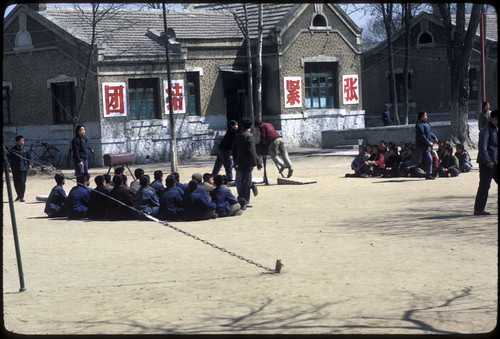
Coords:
39,7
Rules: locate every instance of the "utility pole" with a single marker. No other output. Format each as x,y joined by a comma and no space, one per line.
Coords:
173,141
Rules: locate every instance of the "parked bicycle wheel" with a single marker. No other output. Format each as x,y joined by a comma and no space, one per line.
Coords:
52,156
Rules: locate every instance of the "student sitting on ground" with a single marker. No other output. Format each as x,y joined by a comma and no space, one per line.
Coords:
435,163
358,162
449,164
78,199
440,150
464,160
157,184
392,162
171,201
199,179
375,165
135,185
226,203
196,205
208,183
107,182
118,170
120,193
99,200
178,184
55,205
146,200
406,169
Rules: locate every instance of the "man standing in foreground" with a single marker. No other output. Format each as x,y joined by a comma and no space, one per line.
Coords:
245,159
20,162
271,138
487,157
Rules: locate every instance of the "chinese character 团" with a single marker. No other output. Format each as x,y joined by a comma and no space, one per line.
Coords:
114,99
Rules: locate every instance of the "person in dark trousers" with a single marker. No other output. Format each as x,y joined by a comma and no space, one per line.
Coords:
20,162
171,201
121,193
423,144
224,151
77,202
80,151
196,205
146,200
487,158
99,200
226,202
386,116
55,206
157,184
270,138
245,159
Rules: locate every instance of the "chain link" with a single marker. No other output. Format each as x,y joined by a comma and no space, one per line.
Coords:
218,247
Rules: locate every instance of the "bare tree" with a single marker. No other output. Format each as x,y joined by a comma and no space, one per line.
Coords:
460,41
387,15
94,18
258,76
407,17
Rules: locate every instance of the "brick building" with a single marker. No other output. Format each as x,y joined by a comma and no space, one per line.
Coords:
311,59
429,74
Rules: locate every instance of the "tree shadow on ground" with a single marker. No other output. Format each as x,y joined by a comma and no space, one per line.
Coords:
302,318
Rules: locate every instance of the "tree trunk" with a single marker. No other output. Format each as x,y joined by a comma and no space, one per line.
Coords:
406,67
459,49
258,78
387,16
249,69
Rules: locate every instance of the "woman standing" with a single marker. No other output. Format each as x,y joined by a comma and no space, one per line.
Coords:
80,151
423,144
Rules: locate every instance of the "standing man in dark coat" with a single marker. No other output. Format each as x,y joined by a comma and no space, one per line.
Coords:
80,151
386,116
245,159
487,157
20,162
224,151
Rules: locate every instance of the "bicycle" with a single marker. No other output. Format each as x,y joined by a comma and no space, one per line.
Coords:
69,157
50,154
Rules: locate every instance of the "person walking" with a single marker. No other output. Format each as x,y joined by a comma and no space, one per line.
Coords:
386,116
224,151
80,151
423,144
269,137
487,157
20,162
245,159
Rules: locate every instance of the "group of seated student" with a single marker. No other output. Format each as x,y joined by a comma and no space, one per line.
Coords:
387,160
204,197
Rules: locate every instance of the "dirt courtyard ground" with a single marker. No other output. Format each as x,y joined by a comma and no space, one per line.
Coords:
361,256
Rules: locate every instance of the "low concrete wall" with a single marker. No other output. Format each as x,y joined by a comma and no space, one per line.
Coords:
373,135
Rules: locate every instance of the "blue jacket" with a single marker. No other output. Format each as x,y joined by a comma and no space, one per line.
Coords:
19,158
423,134
55,204
196,205
488,145
158,187
170,205
146,200
80,150
224,200
77,202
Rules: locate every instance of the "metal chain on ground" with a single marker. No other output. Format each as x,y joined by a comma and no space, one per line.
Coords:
165,223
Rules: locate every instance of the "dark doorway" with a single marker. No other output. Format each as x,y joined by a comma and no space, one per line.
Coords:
235,93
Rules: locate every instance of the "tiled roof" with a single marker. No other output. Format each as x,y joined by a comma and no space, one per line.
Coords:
124,32
273,13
